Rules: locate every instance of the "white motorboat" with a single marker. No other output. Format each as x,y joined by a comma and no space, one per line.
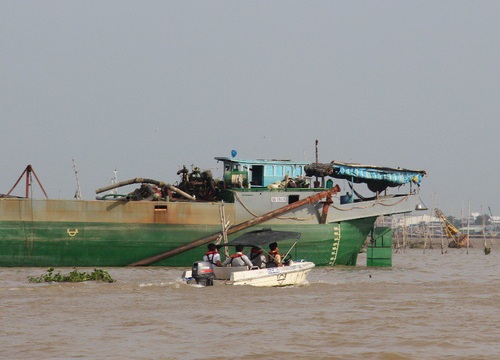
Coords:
291,273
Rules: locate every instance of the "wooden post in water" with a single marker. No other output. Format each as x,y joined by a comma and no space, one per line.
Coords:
468,230
487,249
428,234
238,227
405,239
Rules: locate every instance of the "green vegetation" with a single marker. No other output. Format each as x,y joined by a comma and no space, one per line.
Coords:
73,276
479,220
454,221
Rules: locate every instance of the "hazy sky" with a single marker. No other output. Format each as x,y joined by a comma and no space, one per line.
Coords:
145,87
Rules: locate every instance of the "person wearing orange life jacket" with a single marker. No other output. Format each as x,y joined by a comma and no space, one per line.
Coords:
238,259
257,257
212,255
273,256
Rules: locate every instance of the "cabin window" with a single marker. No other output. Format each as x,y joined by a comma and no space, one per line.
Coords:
292,199
278,171
289,171
269,170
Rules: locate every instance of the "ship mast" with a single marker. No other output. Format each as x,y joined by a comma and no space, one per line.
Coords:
78,192
28,171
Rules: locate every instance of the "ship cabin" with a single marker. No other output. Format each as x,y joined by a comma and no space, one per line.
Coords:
259,173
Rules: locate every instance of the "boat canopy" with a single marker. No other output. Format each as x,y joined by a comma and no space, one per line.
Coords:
377,178
261,238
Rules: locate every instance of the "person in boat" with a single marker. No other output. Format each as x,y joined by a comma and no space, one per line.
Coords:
257,257
238,259
273,257
212,255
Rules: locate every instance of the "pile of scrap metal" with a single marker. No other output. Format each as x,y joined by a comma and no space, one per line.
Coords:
197,185
200,184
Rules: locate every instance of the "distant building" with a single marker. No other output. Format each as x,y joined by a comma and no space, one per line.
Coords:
419,225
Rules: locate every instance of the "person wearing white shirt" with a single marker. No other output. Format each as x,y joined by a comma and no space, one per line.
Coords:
238,259
212,255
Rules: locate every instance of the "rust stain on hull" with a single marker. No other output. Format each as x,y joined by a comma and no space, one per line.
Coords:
144,212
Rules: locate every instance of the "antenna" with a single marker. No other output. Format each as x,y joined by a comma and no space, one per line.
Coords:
317,151
78,192
114,180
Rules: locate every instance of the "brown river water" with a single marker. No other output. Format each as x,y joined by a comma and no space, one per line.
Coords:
427,306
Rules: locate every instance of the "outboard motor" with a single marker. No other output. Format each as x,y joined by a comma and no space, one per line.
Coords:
203,274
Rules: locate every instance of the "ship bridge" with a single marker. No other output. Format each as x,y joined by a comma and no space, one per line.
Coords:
260,172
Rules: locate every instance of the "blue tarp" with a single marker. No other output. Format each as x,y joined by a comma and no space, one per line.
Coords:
394,176
377,178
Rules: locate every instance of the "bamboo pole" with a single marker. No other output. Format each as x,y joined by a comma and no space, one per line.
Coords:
427,234
405,239
398,235
487,249
225,225
238,227
468,230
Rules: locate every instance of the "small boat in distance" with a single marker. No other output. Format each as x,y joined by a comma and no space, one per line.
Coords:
291,273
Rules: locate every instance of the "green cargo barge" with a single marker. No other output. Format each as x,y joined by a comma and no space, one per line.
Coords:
119,230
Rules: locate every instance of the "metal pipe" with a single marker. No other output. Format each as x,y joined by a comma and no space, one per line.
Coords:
127,182
180,192
145,181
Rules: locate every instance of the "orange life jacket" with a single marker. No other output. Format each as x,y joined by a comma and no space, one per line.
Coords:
272,255
235,256
210,256
254,253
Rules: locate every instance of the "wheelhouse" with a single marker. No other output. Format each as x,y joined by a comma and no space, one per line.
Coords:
260,173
